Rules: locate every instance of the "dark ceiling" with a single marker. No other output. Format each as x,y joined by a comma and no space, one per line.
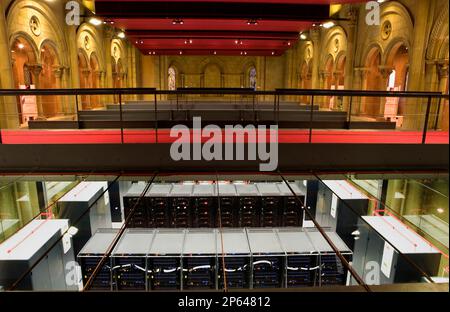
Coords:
222,27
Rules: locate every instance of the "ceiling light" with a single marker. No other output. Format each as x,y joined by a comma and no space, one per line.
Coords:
121,35
273,53
252,21
303,37
181,52
440,210
215,52
178,21
328,24
289,43
141,42
245,52
21,46
95,21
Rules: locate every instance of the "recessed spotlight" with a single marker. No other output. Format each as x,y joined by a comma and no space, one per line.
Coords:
181,52
12,51
121,35
328,24
95,21
178,21
215,52
303,37
273,53
289,43
141,42
252,21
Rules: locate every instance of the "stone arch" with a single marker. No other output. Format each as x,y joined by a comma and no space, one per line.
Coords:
248,81
179,74
335,42
212,75
96,45
48,26
439,36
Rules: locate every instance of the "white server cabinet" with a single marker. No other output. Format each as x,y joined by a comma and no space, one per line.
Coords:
24,249
77,201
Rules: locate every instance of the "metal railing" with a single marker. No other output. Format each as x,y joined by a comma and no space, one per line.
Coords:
432,101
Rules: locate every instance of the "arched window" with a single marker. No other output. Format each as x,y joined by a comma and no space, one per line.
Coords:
252,78
172,79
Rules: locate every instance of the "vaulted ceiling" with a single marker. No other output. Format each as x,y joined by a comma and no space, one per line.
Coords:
222,27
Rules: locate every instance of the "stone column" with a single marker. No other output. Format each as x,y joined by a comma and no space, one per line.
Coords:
385,71
416,80
8,105
442,70
36,70
315,37
58,73
359,82
350,54
86,98
109,32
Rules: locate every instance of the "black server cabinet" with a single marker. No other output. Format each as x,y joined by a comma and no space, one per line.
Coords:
301,271
268,271
227,216
181,212
90,256
199,273
140,215
332,271
312,188
236,273
166,273
249,211
129,273
158,213
203,216
292,212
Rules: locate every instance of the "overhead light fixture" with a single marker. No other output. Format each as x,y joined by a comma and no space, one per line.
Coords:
95,21
181,52
121,35
177,21
21,46
215,52
273,52
289,43
303,37
252,21
440,210
328,24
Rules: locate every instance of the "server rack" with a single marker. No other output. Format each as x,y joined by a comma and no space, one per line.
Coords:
165,260
271,204
234,259
132,200
181,205
331,270
86,196
200,259
204,205
17,255
291,212
301,258
228,216
249,205
90,256
267,258
129,260
159,206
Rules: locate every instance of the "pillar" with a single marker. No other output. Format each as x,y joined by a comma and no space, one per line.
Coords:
36,70
350,54
109,32
385,71
8,105
315,37
414,110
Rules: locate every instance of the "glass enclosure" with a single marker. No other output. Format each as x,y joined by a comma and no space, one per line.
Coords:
222,231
